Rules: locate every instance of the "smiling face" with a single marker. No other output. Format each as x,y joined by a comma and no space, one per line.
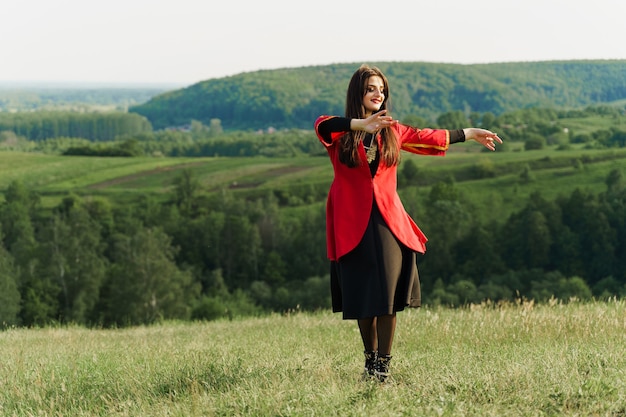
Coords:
374,95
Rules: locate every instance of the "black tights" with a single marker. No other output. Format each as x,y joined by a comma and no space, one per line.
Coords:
377,333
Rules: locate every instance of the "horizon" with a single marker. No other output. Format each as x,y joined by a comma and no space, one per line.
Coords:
42,84
65,84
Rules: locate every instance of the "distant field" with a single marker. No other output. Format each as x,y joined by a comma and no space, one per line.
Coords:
54,175
512,192
588,124
555,173
507,360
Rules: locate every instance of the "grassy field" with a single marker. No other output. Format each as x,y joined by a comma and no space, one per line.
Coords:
54,176
119,179
513,360
512,193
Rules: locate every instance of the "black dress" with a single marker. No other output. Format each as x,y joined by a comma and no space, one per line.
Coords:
379,276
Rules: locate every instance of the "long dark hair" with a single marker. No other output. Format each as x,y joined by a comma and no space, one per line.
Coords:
348,153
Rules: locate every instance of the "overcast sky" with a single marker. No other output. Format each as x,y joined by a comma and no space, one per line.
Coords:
186,41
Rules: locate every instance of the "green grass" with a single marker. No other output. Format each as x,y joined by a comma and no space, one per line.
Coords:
123,179
53,176
512,360
589,124
510,193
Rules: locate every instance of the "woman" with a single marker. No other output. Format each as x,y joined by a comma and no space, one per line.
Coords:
371,240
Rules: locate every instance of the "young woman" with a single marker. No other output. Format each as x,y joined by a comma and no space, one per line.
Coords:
371,240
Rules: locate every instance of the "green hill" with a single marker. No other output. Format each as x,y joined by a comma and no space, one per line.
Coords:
293,97
304,180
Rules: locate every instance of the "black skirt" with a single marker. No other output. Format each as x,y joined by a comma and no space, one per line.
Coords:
376,278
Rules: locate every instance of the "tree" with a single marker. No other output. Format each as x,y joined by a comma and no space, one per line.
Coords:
215,127
129,147
527,175
9,293
71,255
574,287
488,121
446,225
39,304
15,214
606,288
477,254
416,121
409,172
200,241
534,142
269,221
526,238
453,120
596,238
198,130
311,294
144,283
439,295
484,168
240,246
614,181
537,239
443,190
273,269
302,243
186,187
618,138
465,291
554,284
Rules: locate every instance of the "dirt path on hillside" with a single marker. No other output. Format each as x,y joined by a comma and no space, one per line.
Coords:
268,176
132,177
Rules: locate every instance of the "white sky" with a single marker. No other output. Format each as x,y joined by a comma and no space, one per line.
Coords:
186,41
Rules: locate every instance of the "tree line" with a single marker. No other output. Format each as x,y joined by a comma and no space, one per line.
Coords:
535,128
42,125
207,256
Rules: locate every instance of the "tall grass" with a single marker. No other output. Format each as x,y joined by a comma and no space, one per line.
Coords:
488,360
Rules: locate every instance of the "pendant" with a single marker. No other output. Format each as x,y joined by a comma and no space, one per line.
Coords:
371,151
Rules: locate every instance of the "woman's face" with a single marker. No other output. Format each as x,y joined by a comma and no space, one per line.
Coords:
374,95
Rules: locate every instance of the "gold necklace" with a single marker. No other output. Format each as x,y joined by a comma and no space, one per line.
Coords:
371,149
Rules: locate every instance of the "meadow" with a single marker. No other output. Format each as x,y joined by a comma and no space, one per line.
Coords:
518,359
554,173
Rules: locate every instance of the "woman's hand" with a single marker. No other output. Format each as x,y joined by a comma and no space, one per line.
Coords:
373,123
485,137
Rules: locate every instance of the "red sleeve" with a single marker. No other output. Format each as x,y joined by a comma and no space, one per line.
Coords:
423,141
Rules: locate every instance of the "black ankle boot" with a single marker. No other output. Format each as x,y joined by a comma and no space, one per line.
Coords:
382,367
371,358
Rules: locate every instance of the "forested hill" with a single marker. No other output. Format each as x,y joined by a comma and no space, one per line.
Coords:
287,98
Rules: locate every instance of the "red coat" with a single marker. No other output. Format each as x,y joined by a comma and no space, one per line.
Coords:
352,191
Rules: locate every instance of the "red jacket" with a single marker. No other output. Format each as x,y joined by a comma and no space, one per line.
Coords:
352,191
